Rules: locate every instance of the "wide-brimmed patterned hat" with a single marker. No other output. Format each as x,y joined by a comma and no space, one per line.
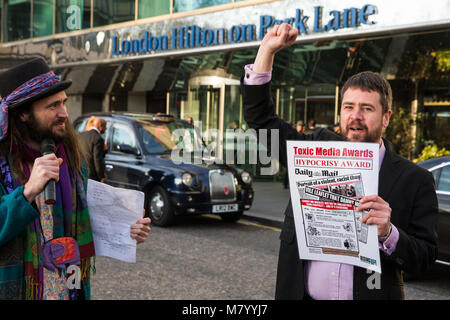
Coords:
22,74
24,84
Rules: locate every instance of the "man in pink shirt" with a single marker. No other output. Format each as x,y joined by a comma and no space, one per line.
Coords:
404,211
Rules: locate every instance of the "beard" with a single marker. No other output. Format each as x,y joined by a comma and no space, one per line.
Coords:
38,131
363,134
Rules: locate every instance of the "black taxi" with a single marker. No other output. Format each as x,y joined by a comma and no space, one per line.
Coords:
139,156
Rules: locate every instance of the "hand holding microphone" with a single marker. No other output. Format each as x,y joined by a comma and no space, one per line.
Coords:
44,174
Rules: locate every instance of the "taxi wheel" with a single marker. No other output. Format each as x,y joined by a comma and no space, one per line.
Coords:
231,217
159,207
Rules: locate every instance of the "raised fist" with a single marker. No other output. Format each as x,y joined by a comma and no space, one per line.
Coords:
280,37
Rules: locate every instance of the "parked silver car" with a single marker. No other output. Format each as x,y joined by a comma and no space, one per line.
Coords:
440,167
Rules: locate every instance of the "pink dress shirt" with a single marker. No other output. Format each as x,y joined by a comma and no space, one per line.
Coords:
328,280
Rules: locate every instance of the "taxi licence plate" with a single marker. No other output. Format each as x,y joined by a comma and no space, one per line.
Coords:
225,208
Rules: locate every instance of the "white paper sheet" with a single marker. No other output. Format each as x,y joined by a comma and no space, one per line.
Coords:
326,181
113,211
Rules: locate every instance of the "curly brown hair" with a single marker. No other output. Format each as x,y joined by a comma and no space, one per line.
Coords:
18,132
371,81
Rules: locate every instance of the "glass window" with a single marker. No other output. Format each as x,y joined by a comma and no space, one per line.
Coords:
122,135
151,144
72,15
436,174
42,18
186,5
18,20
444,179
153,8
158,137
109,12
106,133
80,125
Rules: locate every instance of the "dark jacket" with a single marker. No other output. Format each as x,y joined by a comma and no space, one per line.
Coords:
408,188
94,150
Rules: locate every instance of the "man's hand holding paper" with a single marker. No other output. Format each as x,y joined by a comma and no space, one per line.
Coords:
141,229
379,214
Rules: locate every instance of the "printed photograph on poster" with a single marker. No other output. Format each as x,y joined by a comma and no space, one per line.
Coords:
330,226
327,179
320,192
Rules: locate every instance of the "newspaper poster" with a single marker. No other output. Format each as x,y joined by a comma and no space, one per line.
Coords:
326,180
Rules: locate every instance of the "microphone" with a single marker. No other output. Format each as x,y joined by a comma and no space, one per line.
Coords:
48,147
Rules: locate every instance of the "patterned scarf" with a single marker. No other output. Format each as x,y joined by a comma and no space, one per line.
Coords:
70,218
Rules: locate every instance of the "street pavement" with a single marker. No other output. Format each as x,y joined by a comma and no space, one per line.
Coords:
269,205
204,258
198,258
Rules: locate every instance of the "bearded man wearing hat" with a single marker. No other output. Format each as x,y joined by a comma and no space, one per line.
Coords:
38,241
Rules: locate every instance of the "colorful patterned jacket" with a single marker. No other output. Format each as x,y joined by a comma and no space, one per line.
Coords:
16,213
